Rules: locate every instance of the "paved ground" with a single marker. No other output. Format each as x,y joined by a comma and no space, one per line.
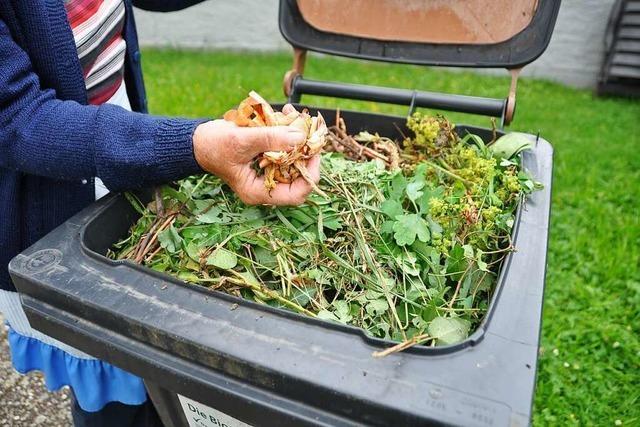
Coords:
24,400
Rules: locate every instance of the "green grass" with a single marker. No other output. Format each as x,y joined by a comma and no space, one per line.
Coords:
589,372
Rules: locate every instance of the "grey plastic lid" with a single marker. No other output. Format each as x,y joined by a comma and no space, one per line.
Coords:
458,33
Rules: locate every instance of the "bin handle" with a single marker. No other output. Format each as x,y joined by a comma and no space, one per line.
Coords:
295,85
297,68
510,107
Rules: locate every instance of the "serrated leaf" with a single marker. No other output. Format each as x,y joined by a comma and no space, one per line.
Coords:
449,330
222,258
408,227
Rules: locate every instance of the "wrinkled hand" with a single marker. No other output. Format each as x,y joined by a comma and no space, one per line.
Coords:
227,151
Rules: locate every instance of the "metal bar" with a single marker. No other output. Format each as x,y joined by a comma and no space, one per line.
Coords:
442,101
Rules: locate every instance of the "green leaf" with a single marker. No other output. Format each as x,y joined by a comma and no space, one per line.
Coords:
303,296
371,294
201,205
301,214
342,311
423,251
332,221
327,315
212,216
413,190
428,194
398,186
249,278
377,307
468,251
408,227
170,239
172,193
222,258
456,263
435,228
251,213
449,330
408,263
133,199
482,265
193,250
319,275
188,276
392,208
510,145
387,227
265,257
475,139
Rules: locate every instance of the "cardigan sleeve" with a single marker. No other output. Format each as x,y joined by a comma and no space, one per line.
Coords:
43,135
164,5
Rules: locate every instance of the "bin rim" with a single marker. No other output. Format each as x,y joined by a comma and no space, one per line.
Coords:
379,343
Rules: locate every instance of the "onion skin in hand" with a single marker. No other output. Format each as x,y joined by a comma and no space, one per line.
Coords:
282,166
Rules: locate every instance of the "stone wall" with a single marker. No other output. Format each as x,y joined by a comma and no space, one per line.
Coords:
573,56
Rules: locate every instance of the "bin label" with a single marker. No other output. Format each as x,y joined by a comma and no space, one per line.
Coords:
199,415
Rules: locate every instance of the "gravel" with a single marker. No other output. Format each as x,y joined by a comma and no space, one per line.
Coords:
24,399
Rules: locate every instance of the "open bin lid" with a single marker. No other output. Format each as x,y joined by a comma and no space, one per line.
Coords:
458,33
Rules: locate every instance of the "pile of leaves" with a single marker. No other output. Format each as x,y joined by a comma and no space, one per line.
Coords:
409,253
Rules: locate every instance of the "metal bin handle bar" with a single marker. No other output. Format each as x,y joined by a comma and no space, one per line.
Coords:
295,85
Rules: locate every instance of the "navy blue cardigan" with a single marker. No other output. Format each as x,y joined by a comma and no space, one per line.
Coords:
51,141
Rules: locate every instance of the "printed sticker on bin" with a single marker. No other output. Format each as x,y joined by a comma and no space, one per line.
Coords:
199,415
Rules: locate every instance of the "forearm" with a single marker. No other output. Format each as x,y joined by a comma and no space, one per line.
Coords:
42,135
66,140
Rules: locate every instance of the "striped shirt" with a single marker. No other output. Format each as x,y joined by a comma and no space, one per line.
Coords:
97,30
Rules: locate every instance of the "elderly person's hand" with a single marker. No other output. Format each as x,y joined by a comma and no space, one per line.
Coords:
227,151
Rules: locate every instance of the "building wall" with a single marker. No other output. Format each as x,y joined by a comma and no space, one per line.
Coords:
573,56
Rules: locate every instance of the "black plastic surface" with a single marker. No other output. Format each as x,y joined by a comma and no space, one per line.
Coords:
515,52
413,98
270,367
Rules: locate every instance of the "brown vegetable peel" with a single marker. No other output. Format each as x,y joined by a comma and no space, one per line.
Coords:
281,166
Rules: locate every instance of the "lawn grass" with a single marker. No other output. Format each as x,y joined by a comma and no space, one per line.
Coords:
589,372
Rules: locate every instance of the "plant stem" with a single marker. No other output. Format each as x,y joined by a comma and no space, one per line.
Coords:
241,280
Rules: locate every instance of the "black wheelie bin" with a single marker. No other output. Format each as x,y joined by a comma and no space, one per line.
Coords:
211,359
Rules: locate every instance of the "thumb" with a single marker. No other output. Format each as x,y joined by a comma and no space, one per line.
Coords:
271,138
